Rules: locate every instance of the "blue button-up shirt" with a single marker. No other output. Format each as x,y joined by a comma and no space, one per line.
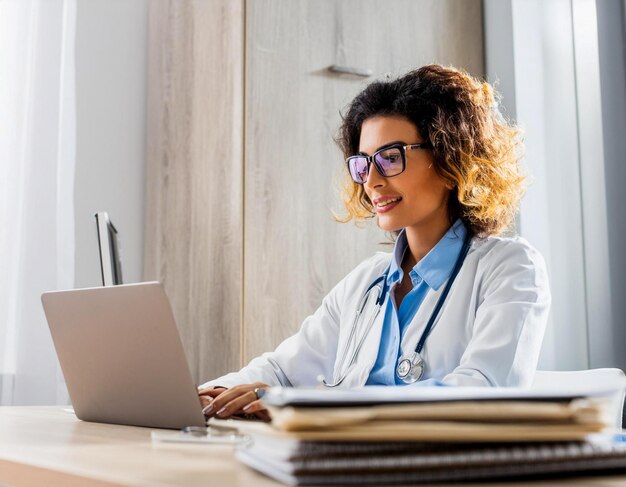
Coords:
431,272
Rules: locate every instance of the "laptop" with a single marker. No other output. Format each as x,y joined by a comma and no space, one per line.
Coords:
122,357
119,349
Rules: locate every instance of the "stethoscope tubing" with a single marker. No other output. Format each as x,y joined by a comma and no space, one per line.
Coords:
457,267
378,305
360,309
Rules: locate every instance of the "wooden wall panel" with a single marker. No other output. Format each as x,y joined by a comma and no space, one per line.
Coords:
293,250
193,213
242,170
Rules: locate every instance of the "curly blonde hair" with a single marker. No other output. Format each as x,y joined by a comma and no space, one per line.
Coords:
474,147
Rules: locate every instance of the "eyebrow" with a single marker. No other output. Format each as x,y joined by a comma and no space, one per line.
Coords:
384,146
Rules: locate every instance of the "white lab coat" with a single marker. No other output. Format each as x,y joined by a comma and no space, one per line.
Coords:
488,332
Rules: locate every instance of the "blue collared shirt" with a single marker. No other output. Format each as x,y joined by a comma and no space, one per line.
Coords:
431,272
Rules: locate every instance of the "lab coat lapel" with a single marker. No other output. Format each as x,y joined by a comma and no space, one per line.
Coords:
359,372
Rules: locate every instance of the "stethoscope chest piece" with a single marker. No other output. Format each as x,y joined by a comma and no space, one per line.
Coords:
411,369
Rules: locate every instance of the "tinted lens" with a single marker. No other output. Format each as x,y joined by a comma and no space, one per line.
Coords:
389,162
358,169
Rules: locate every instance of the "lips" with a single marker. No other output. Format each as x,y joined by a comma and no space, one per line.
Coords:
386,203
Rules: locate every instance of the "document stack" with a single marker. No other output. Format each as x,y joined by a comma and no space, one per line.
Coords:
380,435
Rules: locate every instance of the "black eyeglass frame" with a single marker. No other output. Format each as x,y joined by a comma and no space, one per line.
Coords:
372,159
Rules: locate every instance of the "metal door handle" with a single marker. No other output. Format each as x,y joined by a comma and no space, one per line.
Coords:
362,72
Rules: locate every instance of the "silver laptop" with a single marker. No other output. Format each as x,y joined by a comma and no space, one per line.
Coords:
122,357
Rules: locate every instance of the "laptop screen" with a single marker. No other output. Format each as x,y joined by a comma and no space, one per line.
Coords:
108,245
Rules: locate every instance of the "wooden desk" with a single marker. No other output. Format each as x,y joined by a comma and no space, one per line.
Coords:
48,446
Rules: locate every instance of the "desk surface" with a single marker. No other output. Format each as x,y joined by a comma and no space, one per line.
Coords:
49,446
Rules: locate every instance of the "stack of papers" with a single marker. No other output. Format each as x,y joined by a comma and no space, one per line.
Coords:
397,434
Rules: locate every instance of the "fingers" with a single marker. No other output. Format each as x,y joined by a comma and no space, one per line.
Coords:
229,395
205,401
211,391
206,395
254,406
257,408
235,406
233,400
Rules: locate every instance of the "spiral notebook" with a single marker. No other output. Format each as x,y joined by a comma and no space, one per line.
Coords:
316,463
398,435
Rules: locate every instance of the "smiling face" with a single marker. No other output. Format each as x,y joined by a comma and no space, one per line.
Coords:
422,195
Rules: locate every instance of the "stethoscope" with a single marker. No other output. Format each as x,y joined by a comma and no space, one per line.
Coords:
410,368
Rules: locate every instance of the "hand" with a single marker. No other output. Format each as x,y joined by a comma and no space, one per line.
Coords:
207,395
224,403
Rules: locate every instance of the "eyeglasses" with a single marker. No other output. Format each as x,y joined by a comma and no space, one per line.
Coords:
389,161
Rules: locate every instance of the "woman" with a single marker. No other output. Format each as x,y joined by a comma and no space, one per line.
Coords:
430,155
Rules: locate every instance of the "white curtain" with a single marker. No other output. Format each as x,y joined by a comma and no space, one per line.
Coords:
37,159
544,54
551,214
558,99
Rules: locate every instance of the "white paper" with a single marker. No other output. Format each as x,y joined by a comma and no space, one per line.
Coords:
282,396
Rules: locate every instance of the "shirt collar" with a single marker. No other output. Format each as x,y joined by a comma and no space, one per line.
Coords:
395,269
436,266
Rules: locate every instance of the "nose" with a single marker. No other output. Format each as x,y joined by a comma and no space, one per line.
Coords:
374,179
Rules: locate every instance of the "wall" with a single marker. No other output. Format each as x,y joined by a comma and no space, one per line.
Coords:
193,226
111,60
293,168
242,171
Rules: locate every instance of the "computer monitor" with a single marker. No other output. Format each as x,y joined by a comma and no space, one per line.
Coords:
110,262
